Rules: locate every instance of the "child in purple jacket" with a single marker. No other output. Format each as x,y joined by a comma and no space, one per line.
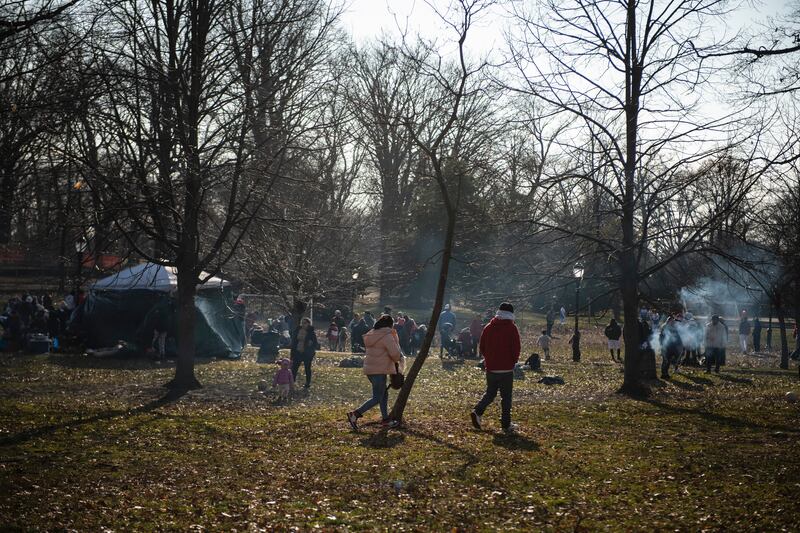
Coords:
284,381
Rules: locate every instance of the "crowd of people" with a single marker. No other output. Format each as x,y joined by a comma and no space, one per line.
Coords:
685,340
29,314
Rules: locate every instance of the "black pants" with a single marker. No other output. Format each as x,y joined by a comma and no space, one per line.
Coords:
757,342
296,366
504,382
713,355
550,329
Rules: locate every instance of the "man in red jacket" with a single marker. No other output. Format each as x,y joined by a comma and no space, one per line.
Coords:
500,348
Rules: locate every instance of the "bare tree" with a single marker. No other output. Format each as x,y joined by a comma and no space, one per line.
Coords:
172,147
442,108
619,68
380,101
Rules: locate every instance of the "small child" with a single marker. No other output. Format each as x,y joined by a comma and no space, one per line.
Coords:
333,337
544,344
284,380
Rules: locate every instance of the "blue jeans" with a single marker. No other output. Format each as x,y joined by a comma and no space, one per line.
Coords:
380,396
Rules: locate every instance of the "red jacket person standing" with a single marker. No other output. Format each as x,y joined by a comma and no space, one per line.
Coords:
500,348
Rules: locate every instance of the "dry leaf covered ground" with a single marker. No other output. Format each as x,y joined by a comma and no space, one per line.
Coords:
89,444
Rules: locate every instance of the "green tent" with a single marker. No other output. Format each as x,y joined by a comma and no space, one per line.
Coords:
125,306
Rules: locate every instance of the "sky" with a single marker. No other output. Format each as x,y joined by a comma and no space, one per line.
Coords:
367,19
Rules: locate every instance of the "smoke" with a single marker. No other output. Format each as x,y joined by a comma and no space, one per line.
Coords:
689,332
725,298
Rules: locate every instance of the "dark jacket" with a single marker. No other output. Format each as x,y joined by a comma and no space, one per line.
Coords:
309,348
613,331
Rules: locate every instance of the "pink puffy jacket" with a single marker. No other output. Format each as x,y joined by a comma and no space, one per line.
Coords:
383,351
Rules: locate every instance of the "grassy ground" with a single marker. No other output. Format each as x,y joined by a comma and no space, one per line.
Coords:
90,444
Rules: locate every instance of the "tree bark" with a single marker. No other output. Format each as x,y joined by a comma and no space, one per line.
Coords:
782,327
627,256
7,196
184,369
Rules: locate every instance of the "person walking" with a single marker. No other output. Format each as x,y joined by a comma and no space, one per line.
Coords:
756,334
304,348
716,336
500,346
357,330
550,319
543,342
671,346
744,331
475,330
613,332
446,317
369,320
383,357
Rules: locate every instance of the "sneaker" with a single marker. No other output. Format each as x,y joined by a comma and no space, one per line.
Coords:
389,423
352,418
476,419
512,429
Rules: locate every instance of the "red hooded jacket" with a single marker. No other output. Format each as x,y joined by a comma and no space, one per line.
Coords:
500,345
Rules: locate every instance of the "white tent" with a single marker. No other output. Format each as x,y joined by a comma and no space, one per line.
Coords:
149,276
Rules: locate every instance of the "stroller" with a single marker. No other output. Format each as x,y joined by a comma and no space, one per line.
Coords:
451,347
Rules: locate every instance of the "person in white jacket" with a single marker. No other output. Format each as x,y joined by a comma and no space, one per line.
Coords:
716,338
383,357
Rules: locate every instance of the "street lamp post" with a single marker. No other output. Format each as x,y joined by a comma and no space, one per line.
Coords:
353,295
80,249
769,324
577,272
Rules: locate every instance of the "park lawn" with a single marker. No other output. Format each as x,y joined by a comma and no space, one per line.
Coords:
89,444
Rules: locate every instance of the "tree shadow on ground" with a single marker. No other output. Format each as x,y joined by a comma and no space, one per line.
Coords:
691,387
716,418
24,436
515,442
117,362
734,379
700,380
757,371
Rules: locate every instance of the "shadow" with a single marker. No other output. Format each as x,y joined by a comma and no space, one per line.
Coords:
734,379
698,379
515,442
470,458
24,436
383,439
757,371
691,387
723,420
451,365
117,362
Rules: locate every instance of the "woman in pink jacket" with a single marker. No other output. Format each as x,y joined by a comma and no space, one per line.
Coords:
384,356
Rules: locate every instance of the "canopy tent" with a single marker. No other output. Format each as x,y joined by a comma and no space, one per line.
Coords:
127,305
151,277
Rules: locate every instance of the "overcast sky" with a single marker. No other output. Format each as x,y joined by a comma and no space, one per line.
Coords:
366,19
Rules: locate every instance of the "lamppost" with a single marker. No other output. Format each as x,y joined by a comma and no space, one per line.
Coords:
769,324
353,295
80,250
577,272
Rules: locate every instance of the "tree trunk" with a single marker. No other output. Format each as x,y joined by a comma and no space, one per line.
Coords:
784,341
385,262
184,369
627,255
402,397
7,195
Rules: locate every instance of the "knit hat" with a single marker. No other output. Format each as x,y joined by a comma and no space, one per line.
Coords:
385,321
505,306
